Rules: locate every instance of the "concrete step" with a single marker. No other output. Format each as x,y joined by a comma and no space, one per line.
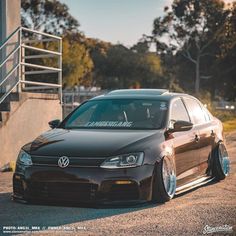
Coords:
4,116
5,106
11,97
14,97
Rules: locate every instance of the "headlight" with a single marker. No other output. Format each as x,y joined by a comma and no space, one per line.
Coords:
24,158
124,161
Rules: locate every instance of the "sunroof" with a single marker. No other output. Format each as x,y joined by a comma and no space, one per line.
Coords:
138,92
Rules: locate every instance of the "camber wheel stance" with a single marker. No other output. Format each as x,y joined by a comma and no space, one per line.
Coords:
164,181
221,163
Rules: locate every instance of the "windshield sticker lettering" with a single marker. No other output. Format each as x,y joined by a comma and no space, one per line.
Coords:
109,124
147,104
163,106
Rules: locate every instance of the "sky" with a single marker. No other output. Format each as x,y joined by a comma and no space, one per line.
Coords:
123,21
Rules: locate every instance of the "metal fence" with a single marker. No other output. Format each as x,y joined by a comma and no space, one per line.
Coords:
73,99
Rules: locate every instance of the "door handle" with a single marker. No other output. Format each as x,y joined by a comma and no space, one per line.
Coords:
197,138
212,133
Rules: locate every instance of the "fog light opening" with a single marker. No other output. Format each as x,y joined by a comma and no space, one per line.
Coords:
17,177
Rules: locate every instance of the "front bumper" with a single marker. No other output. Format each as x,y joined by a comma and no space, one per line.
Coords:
83,184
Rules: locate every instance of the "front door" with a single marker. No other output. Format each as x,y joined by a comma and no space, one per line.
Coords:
185,145
205,133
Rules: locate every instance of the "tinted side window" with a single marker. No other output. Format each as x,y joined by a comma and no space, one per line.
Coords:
178,111
207,114
195,111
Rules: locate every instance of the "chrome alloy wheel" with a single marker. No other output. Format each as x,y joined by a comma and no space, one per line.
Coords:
169,176
224,159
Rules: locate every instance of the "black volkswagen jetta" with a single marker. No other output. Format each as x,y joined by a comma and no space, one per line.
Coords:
126,145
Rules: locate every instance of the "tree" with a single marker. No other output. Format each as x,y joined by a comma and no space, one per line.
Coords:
53,17
49,16
191,28
141,47
116,66
77,63
149,72
225,69
98,51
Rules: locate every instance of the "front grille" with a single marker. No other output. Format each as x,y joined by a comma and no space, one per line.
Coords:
124,192
18,186
74,161
62,191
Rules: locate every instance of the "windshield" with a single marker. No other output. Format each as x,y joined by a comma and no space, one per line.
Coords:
118,114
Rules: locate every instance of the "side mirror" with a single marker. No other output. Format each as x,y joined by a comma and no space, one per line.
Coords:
54,123
181,125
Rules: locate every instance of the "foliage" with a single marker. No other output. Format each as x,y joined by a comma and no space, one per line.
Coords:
119,67
229,125
50,16
88,61
224,115
77,63
195,50
53,17
193,33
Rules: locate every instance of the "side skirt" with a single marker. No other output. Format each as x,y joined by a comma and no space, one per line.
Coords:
194,184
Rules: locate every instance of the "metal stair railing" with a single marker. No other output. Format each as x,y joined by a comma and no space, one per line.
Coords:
15,68
22,81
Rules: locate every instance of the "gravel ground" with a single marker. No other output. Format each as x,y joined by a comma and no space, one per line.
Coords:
213,205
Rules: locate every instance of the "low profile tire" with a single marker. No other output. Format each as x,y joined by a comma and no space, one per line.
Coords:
221,163
164,181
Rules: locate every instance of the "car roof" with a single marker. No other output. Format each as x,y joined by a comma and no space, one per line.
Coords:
161,94
147,92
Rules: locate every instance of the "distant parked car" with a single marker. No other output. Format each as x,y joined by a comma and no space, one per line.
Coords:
127,145
224,105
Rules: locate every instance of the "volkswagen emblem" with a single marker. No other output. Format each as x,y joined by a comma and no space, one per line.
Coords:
63,162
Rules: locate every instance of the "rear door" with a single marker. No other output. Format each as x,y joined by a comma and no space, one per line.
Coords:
202,125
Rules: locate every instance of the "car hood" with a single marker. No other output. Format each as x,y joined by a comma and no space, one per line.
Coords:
89,143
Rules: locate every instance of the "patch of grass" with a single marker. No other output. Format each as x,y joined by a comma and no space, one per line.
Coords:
230,125
228,118
224,115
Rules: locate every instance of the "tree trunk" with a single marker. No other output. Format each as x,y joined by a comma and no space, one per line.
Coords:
197,79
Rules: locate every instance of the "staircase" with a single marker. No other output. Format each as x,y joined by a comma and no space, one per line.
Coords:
17,67
30,88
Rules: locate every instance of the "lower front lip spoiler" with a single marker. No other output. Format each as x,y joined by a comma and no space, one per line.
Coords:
18,199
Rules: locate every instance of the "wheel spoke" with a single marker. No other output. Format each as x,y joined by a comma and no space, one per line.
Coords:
224,160
169,176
